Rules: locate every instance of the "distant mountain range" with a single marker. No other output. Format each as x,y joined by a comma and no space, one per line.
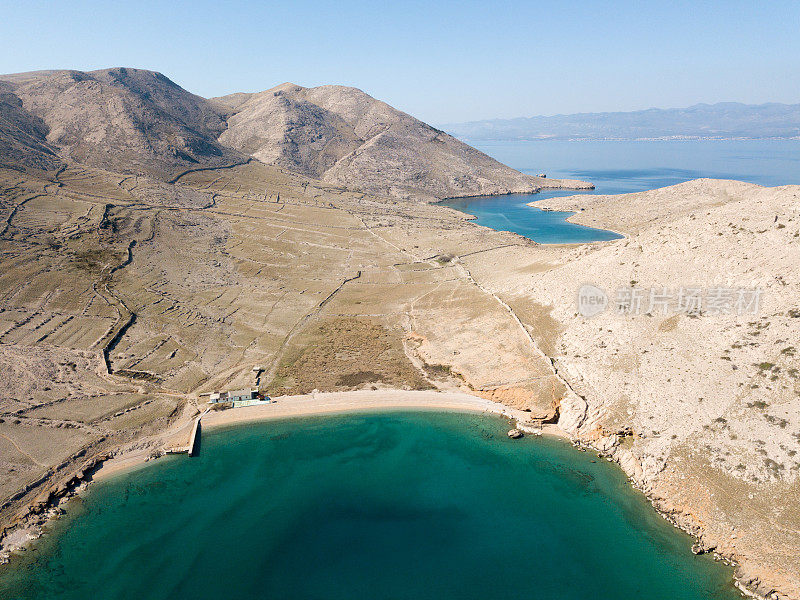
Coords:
724,120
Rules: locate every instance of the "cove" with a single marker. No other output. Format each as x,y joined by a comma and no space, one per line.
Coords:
512,213
381,506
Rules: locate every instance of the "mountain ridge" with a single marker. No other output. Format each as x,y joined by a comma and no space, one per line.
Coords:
136,121
343,136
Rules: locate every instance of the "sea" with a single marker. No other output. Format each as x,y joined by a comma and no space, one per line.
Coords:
620,167
385,506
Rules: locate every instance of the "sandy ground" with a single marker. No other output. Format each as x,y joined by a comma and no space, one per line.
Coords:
360,400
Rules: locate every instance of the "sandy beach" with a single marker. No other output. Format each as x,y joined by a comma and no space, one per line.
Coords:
322,403
360,400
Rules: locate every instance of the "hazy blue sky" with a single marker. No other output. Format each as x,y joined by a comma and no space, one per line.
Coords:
440,61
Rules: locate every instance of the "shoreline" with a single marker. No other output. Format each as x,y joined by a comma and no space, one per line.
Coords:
533,204
359,402
622,236
333,403
564,184
47,508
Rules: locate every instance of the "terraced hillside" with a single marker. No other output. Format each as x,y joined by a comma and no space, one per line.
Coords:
124,299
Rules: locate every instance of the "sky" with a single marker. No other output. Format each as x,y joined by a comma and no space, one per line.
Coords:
443,62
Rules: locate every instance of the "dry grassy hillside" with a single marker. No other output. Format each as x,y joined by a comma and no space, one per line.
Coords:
123,299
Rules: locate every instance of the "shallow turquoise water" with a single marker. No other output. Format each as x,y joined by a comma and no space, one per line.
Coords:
512,213
620,168
381,506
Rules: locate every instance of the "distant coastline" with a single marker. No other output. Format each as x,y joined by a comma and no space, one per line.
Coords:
670,138
722,121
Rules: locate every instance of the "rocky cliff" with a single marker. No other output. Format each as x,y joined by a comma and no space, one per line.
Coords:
23,137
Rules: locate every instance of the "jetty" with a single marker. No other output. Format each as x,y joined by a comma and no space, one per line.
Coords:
193,439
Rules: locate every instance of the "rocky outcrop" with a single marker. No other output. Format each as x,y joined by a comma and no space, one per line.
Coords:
711,394
23,137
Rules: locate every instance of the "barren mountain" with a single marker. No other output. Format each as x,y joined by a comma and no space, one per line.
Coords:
23,137
345,137
126,120
139,122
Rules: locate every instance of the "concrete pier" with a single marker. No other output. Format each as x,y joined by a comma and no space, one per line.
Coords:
193,439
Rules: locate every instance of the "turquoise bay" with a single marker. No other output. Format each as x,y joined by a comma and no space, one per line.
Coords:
385,505
620,167
512,213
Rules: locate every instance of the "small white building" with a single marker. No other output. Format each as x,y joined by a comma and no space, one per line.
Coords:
246,397
241,395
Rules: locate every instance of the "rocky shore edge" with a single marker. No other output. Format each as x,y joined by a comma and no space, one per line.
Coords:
575,421
29,524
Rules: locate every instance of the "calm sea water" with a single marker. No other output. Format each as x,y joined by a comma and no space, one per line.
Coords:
620,168
383,506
